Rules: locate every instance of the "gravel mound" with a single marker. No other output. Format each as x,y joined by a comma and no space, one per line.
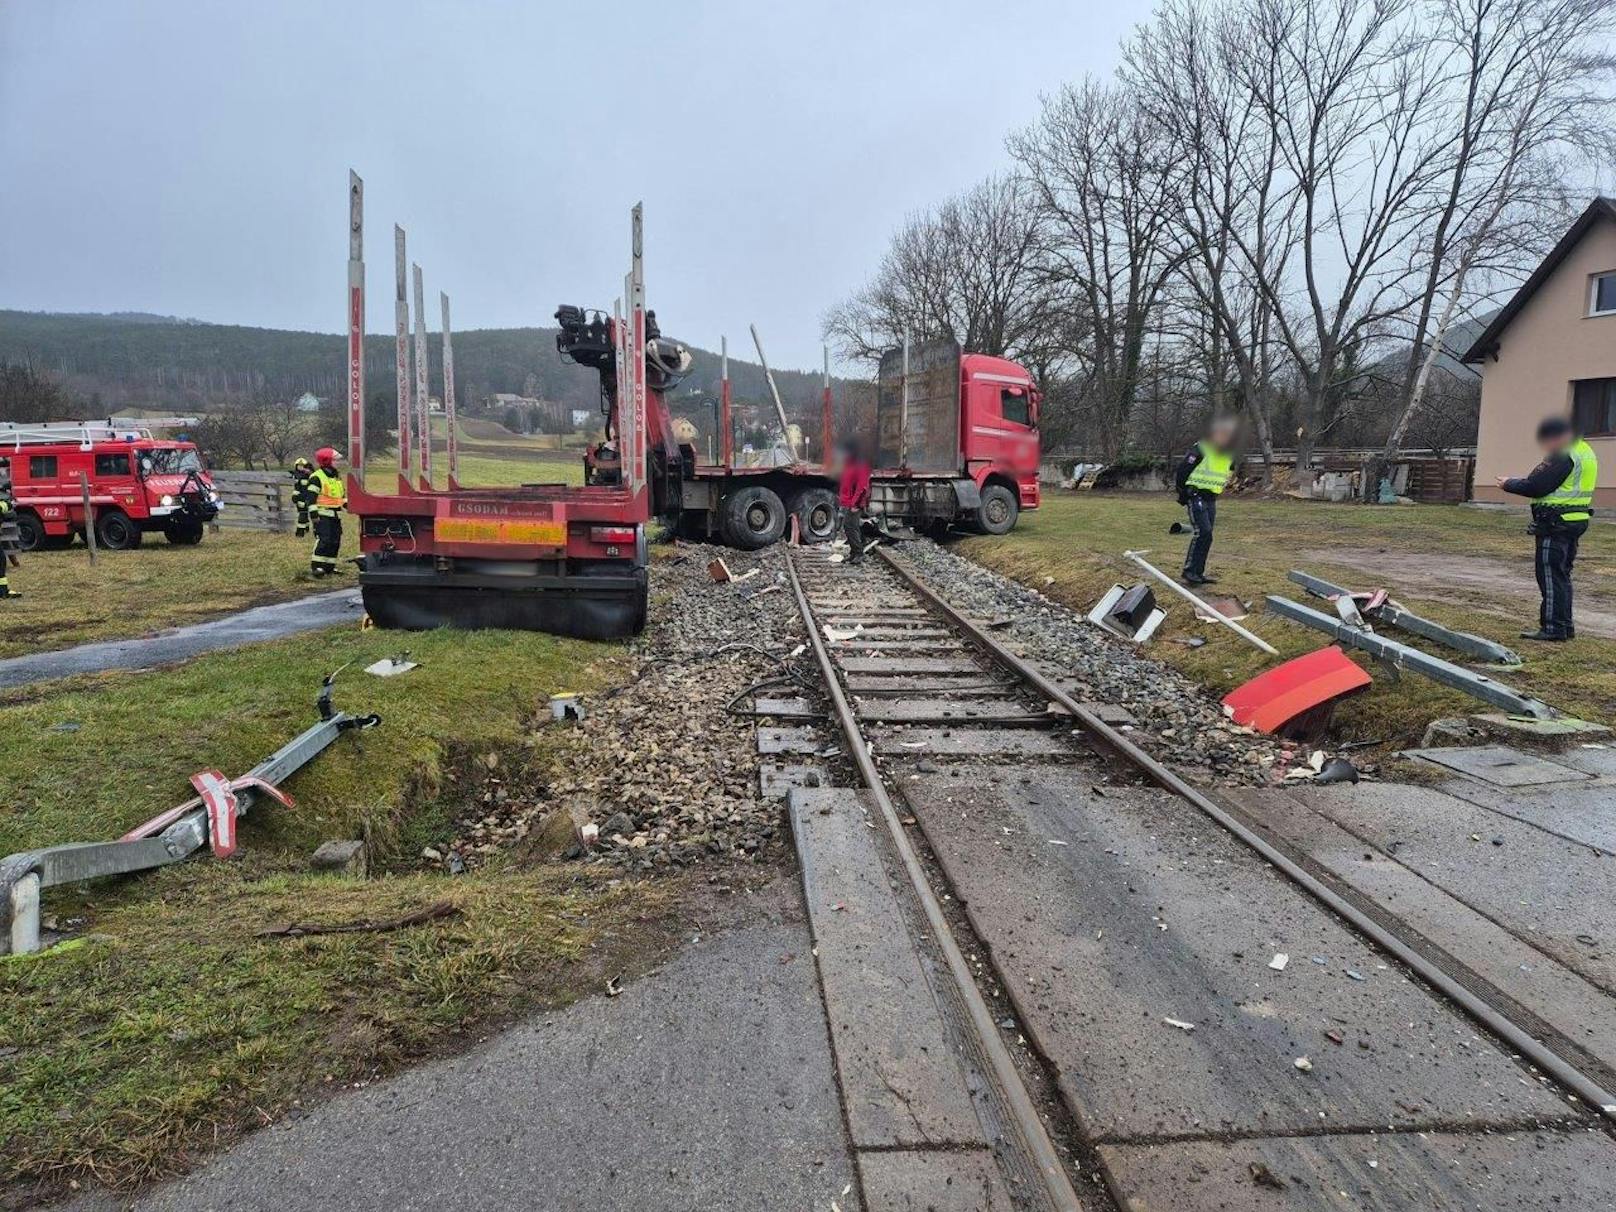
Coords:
1179,722
660,765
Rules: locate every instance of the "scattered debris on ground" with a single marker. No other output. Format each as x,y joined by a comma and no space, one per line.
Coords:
1178,721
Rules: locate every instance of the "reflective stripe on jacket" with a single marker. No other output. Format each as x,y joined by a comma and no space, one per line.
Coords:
1573,499
1212,473
332,492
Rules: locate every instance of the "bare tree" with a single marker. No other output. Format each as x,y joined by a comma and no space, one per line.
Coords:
968,270
1096,162
1526,97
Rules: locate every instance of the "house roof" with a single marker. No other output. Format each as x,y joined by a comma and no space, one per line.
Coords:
1487,342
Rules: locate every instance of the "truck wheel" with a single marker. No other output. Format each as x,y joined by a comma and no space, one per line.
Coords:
183,534
816,513
753,517
115,532
998,511
30,532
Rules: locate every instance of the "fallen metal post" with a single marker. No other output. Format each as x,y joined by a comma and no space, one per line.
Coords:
1401,656
779,408
1138,558
1395,615
174,835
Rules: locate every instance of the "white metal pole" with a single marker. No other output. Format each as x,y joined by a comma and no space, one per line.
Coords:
356,328
1138,558
423,396
401,361
449,396
774,392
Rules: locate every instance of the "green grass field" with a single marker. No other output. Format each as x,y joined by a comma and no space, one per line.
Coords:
1453,564
173,1027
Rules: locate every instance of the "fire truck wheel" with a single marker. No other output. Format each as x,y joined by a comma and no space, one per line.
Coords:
115,532
816,514
184,534
30,532
753,517
998,511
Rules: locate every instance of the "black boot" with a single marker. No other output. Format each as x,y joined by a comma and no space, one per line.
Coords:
1546,637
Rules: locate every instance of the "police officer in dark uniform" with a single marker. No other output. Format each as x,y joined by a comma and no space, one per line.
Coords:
303,493
1202,476
1562,492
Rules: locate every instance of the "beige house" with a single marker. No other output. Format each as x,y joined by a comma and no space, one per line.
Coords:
1552,348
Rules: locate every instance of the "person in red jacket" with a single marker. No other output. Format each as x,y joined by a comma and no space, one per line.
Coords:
853,495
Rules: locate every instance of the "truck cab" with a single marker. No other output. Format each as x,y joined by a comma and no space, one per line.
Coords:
999,440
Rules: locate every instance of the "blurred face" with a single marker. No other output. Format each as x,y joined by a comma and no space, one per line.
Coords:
1555,443
1223,432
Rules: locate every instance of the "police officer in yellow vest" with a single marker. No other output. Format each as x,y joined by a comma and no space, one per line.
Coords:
1562,492
1202,476
331,498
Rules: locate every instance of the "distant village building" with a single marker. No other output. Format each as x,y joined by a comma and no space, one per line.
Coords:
1552,349
308,402
547,415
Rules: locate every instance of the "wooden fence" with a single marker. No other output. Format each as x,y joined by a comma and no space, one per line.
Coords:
255,500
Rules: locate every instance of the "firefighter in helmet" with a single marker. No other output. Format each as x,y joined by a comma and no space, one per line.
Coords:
8,530
330,499
303,493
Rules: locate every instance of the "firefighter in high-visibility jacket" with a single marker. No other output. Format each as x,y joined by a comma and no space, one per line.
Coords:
8,516
330,499
303,493
1562,491
1202,476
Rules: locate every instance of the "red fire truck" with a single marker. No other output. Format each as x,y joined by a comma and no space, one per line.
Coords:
138,483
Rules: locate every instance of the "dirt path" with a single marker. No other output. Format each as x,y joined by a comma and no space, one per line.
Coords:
1500,587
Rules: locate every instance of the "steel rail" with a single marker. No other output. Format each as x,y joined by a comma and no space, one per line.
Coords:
1487,1015
1050,1166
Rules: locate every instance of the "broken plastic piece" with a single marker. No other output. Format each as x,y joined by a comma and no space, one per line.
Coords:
1295,699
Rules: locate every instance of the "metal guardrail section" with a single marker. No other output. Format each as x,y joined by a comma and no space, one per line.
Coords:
1402,656
177,835
1395,615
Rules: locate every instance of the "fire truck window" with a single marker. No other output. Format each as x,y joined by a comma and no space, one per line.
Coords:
112,464
1016,405
42,467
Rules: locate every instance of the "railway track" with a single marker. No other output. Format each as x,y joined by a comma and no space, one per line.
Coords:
1219,1026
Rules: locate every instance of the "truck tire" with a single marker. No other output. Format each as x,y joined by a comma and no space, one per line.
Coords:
115,532
998,511
817,515
753,517
30,532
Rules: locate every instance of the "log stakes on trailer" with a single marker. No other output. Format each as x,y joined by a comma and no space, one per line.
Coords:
824,412
449,397
401,361
423,397
356,329
726,419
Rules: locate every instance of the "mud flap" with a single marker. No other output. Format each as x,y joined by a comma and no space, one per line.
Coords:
614,608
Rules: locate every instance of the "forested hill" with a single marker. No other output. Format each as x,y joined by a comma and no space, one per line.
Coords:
132,360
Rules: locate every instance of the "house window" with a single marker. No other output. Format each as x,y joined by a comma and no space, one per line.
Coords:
1593,406
1015,406
42,467
112,464
1602,297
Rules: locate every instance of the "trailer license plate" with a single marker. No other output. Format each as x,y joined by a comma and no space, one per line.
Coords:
492,530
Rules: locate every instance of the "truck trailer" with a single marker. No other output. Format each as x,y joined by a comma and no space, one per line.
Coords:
956,443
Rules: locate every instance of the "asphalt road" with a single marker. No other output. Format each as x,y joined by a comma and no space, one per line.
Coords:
707,1085
182,643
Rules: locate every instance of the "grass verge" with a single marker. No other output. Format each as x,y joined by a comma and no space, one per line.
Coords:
1077,539
170,1027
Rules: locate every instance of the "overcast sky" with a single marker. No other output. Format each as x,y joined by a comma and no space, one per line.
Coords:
190,157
